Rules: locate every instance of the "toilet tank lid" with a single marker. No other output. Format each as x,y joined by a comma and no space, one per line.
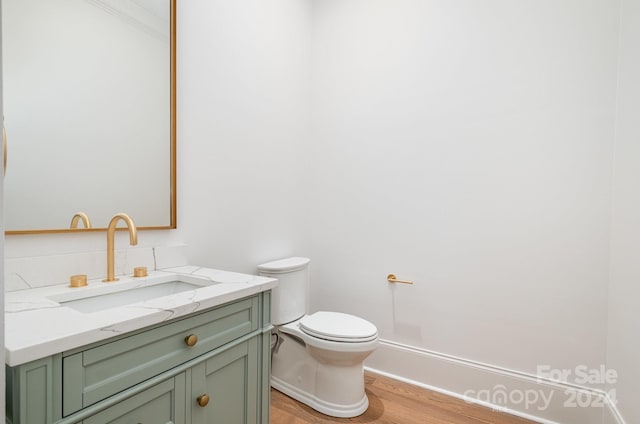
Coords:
284,265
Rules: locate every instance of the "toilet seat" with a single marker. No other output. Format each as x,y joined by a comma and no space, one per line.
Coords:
338,327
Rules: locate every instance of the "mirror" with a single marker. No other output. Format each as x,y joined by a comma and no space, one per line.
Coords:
90,108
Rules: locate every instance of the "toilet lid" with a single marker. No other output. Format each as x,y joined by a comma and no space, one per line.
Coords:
338,327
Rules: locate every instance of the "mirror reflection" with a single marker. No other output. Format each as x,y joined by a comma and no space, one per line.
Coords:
88,110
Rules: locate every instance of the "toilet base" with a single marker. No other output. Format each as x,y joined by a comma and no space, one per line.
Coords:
322,406
329,380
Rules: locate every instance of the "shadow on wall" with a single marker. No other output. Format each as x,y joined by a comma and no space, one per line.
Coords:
403,328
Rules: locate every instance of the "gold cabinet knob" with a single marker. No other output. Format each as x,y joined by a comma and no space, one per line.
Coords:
191,340
203,400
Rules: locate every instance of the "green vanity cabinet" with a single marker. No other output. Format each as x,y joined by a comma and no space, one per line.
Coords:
230,382
208,367
162,403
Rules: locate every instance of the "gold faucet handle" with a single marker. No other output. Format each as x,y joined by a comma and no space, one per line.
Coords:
78,280
140,271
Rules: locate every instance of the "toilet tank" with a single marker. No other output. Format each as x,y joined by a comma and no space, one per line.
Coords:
289,298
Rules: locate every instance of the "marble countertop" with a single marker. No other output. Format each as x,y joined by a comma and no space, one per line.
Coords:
37,326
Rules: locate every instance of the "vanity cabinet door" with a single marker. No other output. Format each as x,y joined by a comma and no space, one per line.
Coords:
32,393
163,403
230,381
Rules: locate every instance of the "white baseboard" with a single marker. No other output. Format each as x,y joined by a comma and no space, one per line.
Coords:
612,414
521,394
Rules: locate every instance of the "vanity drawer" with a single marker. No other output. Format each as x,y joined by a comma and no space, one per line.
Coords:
97,373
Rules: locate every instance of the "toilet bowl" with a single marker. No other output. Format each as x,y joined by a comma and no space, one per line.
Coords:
317,358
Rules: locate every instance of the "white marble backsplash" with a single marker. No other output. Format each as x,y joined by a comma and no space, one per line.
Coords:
41,271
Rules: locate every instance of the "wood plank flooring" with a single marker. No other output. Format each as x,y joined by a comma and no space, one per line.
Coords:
394,402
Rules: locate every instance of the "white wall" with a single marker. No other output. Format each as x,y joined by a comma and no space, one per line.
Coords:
623,349
243,103
466,146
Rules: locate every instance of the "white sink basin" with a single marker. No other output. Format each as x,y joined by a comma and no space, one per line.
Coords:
95,298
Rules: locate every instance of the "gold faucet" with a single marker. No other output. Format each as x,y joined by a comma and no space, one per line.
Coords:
111,233
80,216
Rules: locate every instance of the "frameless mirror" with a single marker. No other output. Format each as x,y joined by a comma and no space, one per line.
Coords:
89,105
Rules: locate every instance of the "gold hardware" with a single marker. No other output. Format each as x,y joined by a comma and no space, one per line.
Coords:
111,235
203,400
392,279
80,216
140,271
78,280
191,340
173,119
4,149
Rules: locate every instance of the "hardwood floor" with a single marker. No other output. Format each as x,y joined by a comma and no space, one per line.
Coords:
394,402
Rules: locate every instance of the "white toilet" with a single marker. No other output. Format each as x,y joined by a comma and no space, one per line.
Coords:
317,359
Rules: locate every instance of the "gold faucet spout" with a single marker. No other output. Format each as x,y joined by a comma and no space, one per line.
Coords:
111,234
80,216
